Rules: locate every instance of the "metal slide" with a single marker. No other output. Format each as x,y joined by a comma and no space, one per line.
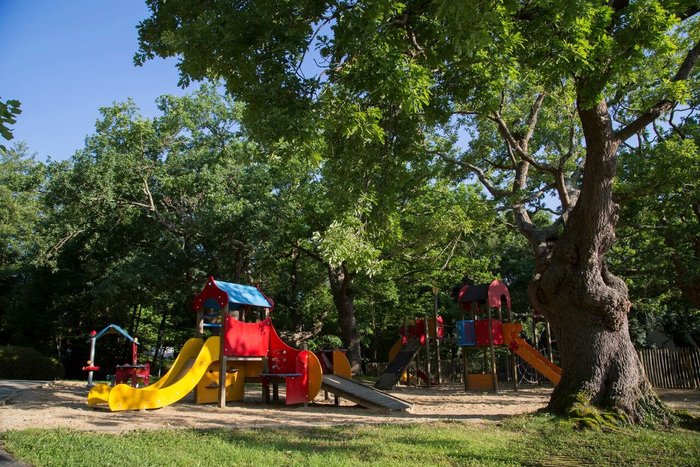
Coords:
361,394
397,366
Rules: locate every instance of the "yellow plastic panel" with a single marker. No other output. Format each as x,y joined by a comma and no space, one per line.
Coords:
396,348
253,369
99,394
315,375
341,365
207,390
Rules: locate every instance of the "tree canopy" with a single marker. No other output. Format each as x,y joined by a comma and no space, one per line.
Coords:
546,91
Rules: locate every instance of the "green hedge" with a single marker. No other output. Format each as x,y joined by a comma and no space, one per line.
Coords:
27,363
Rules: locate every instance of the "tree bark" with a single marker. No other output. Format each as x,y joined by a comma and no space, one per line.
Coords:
586,305
159,342
341,288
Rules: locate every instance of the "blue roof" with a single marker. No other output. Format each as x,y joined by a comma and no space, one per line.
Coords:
243,294
114,329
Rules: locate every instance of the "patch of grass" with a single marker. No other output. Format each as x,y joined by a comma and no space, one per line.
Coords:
528,440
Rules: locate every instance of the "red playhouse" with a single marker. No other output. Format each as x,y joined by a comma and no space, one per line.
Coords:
250,350
253,351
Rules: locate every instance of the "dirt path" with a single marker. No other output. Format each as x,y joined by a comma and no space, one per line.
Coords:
63,404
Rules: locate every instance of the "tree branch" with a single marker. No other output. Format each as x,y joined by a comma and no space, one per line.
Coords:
495,192
311,254
533,120
663,105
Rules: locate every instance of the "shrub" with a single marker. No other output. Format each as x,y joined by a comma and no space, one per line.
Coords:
27,363
325,342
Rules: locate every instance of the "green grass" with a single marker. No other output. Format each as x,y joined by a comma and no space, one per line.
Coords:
532,440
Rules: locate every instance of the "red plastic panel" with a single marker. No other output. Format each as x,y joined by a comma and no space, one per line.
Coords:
481,328
282,356
246,339
131,374
498,291
297,387
210,291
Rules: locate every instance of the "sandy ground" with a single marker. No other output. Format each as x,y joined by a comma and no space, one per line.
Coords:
63,404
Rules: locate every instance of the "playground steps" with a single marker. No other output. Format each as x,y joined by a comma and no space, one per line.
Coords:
398,365
361,394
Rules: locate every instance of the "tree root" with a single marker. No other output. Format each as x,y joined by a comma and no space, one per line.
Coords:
649,411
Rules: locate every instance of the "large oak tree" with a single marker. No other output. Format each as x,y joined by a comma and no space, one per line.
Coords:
535,83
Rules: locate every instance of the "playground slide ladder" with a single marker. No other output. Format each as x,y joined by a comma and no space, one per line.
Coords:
361,394
398,365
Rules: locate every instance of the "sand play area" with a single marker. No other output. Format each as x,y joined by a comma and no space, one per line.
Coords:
63,404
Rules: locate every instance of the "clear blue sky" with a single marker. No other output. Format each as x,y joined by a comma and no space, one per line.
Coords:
63,60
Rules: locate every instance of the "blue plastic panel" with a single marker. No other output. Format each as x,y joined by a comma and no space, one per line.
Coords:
243,294
465,332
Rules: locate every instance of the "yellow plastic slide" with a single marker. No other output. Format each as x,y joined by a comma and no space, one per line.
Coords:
189,367
528,353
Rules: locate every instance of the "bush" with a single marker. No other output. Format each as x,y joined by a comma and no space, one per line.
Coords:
325,342
27,363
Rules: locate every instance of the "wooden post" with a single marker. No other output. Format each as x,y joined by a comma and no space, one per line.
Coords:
199,324
427,349
222,359
549,343
436,292
513,361
493,351
464,358
304,347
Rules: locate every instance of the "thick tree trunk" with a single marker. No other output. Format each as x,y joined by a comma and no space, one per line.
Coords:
586,305
341,282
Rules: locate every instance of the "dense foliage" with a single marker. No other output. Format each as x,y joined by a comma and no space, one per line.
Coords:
129,228
27,363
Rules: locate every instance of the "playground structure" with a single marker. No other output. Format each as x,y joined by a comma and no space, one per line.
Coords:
484,333
218,368
413,338
134,373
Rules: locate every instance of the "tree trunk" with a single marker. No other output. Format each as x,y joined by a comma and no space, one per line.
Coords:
586,305
159,342
341,281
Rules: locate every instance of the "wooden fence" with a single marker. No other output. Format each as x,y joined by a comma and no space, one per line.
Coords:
672,368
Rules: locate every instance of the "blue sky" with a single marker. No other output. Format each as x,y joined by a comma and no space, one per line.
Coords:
63,60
